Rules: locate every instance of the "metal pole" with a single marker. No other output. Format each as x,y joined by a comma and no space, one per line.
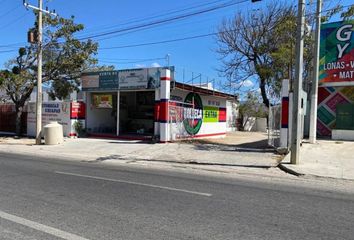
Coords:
118,109
297,107
39,79
314,91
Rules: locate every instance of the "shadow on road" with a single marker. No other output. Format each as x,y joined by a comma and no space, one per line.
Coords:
260,146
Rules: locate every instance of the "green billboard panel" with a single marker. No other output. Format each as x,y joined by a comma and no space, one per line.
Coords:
345,116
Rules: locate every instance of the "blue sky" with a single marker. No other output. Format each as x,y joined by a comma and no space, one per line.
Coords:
196,56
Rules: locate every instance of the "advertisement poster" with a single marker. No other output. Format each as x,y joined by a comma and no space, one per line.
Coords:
337,54
51,111
133,79
102,100
105,80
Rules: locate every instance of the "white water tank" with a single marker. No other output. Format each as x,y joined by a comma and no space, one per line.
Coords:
53,133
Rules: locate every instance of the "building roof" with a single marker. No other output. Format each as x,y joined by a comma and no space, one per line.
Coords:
201,90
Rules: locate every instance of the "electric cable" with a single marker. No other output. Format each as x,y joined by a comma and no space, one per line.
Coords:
161,21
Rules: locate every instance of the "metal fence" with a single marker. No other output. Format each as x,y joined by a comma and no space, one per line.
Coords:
274,124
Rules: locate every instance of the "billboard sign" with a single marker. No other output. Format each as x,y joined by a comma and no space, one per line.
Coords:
106,80
133,79
337,54
128,79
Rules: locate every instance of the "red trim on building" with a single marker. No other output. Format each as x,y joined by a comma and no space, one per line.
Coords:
157,111
222,114
285,112
163,114
77,110
165,78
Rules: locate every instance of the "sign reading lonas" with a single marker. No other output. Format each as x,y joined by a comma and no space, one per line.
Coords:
337,54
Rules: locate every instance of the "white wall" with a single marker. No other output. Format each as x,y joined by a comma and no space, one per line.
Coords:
231,114
51,111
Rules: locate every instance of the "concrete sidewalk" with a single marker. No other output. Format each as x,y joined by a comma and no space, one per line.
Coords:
238,149
326,158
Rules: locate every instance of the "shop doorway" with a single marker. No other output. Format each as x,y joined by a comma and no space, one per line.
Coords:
102,113
136,113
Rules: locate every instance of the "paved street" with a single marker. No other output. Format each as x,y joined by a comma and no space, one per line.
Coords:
51,199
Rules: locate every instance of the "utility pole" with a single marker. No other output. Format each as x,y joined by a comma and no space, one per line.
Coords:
297,106
40,11
314,90
168,59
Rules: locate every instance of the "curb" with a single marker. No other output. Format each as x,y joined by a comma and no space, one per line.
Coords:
289,171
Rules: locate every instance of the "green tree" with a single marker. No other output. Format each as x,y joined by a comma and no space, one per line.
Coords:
251,108
64,58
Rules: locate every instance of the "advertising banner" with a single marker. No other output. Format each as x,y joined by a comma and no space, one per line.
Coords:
78,110
128,79
102,100
133,79
337,54
106,80
51,111
65,113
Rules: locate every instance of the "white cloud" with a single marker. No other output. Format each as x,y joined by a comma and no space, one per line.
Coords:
247,83
140,65
155,64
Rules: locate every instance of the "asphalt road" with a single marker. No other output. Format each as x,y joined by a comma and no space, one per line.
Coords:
51,199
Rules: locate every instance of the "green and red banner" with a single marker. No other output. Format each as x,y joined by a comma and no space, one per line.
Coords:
337,54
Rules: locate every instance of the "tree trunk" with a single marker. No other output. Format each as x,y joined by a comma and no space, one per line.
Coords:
263,92
19,110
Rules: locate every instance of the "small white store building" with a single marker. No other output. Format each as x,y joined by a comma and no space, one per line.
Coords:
147,102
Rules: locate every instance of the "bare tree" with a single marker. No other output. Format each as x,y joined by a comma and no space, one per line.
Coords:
250,45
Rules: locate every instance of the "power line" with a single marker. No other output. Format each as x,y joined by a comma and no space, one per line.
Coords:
164,41
162,21
136,20
136,61
160,42
180,39
14,21
11,10
7,51
132,59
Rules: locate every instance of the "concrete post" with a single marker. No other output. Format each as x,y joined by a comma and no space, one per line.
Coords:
164,102
118,108
296,127
314,91
157,113
39,78
284,129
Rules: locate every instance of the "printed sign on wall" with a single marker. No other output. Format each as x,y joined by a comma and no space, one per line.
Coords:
337,54
106,80
133,79
102,100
